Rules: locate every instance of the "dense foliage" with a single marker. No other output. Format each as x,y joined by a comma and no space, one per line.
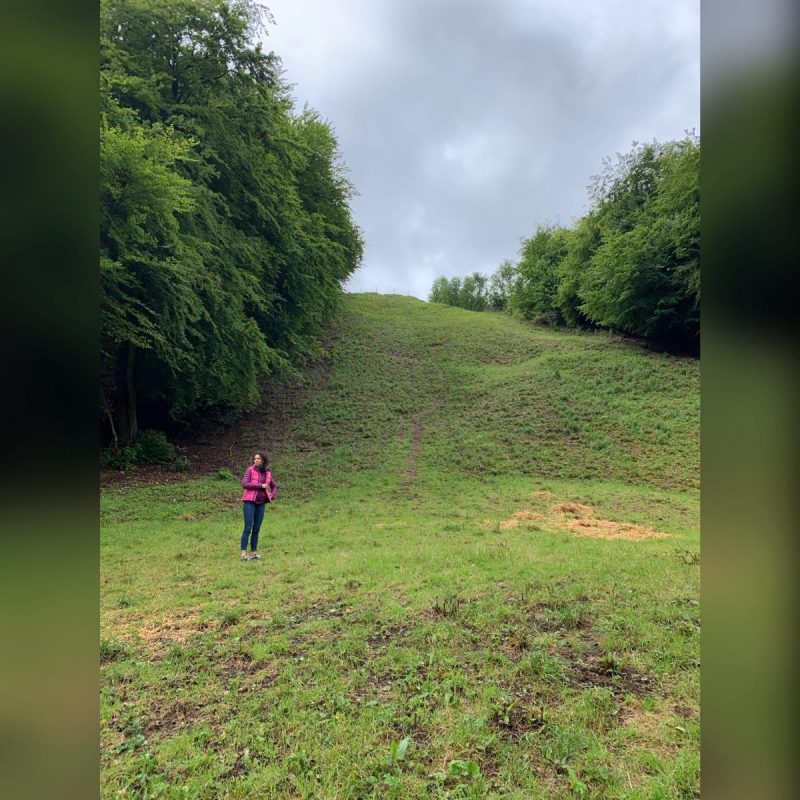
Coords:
226,233
471,292
533,293
631,264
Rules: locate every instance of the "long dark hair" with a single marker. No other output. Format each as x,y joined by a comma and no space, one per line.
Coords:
263,467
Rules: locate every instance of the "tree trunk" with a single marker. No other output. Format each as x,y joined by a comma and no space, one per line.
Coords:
126,396
107,408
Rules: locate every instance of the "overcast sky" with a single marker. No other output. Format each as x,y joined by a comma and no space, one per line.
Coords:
466,123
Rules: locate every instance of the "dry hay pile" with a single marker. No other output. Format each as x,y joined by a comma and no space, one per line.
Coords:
582,520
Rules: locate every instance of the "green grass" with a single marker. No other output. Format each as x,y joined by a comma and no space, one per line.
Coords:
400,638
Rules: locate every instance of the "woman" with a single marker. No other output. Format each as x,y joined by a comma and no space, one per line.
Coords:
259,489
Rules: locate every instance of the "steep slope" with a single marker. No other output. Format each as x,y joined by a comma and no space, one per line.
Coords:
465,392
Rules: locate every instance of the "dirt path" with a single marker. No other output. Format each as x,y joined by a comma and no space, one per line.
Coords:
416,439
417,429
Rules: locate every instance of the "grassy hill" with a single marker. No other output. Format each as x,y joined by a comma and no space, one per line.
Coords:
481,579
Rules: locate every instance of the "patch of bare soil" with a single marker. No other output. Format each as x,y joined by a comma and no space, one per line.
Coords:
319,609
512,642
548,617
386,634
378,686
383,684
686,712
597,668
166,720
255,673
517,517
237,768
416,439
543,495
267,426
573,509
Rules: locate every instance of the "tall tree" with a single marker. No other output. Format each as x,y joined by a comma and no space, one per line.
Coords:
582,242
534,291
644,276
501,284
226,231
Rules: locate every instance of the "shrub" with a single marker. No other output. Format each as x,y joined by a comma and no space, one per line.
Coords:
549,318
121,459
152,447
533,293
181,464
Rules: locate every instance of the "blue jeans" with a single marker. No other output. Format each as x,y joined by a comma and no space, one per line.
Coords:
253,517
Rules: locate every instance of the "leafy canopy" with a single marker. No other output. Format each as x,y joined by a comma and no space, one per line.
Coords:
226,232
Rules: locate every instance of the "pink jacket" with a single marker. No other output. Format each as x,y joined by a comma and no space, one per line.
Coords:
252,485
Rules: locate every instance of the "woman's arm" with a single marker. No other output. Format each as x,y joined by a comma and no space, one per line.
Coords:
272,487
247,482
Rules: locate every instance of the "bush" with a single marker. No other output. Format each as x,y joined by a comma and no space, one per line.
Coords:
181,464
549,318
533,293
121,459
224,475
152,447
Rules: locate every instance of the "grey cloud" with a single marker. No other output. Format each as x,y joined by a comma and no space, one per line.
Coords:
464,125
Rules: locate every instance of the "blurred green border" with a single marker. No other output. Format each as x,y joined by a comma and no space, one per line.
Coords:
750,244
49,317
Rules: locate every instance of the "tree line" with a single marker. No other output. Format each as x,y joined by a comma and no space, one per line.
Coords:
631,264
225,228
